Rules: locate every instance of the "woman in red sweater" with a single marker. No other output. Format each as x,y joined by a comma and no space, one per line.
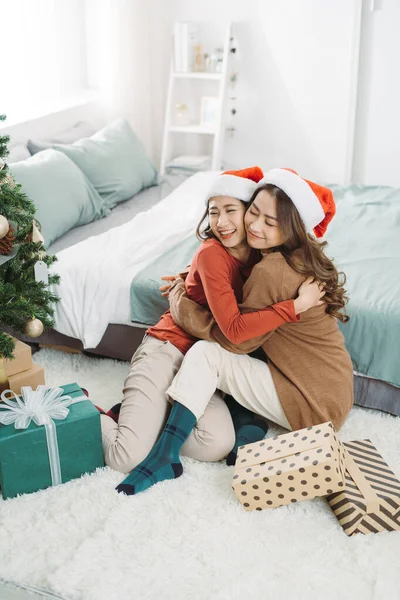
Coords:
308,377
215,280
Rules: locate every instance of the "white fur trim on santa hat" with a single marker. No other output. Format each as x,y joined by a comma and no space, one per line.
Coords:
300,193
233,186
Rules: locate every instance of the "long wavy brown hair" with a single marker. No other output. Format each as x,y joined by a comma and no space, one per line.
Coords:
305,255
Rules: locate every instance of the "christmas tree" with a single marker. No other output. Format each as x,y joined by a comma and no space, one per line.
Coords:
26,303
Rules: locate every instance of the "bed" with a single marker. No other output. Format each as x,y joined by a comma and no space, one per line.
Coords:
152,234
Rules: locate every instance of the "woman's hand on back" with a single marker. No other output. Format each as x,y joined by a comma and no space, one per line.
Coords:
311,293
164,289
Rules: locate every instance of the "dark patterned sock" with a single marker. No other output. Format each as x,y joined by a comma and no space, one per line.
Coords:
163,461
114,412
240,415
247,434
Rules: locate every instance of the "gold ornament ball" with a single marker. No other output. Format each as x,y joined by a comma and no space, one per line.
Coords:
4,227
34,327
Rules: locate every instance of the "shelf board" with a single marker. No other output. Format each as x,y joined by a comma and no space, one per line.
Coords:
193,129
197,75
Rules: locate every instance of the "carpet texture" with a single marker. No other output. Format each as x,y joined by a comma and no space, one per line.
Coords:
189,538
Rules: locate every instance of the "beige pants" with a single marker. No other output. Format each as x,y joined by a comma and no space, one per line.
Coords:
145,408
207,367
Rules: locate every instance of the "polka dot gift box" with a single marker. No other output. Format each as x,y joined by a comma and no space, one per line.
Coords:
289,468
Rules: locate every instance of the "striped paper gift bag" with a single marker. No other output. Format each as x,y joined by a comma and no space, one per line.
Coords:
370,501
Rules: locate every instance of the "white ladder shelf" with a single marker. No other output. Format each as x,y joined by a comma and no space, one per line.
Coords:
216,130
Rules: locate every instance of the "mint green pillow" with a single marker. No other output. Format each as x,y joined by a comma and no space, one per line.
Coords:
64,198
115,162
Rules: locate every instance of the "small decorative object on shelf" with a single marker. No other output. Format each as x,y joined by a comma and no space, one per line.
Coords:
181,114
209,111
198,59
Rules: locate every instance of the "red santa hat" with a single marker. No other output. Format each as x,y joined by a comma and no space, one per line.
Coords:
314,202
236,184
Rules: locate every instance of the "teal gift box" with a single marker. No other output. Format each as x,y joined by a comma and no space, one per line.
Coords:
24,455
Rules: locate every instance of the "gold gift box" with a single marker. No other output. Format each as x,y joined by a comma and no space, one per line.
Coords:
33,377
22,360
289,468
370,500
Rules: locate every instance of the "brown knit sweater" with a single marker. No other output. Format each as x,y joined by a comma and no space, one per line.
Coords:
310,366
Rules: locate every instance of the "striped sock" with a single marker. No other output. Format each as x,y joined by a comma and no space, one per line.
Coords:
163,461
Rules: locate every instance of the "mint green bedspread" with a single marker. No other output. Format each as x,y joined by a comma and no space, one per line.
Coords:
364,241
147,304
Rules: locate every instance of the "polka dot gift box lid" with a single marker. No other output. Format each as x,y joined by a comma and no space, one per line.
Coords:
288,468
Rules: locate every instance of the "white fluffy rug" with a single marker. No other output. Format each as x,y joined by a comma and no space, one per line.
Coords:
190,538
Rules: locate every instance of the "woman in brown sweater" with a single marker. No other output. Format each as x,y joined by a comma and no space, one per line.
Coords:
307,377
307,360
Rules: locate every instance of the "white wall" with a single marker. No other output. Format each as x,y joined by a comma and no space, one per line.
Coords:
377,142
43,58
296,89
296,86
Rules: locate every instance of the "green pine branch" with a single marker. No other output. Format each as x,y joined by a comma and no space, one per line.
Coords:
21,296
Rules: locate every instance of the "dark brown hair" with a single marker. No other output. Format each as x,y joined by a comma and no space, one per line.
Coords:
206,233
304,254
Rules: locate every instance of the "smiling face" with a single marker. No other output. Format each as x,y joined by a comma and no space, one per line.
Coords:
226,219
261,222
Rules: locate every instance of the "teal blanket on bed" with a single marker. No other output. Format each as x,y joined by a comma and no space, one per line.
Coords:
364,241
147,304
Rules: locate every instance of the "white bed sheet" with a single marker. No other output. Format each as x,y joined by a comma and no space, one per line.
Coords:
96,273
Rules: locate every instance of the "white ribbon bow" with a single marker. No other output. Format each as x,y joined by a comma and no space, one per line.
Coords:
41,407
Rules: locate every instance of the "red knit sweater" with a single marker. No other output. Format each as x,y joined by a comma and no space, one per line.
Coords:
215,281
